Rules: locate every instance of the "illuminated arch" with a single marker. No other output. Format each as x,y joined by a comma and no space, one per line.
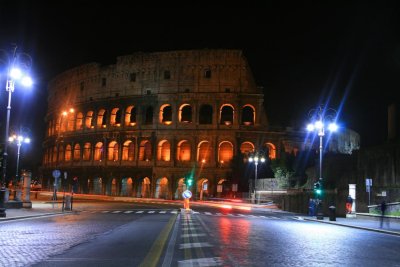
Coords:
79,121
164,151
128,150
115,118
246,148
226,114
145,151
271,150
113,149
204,152
130,116
225,151
98,151
184,151
77,152
68,152
89,120
185,113
165,115
87,150
248,115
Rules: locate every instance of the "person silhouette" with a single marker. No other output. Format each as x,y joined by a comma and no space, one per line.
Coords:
383,207
349,204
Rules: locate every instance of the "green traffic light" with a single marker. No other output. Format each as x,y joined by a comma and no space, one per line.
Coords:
318,191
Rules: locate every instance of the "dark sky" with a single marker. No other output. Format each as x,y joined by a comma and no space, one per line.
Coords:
345,53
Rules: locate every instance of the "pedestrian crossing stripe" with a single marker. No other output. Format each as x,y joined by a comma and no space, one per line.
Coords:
175,212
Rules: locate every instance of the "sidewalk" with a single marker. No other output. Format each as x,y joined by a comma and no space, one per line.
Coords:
391,225
39,208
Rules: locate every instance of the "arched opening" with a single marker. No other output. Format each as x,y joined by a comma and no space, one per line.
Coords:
130,116
79,121
98,151
225,152
60,154
164,151
145,151
98,186
161,188
87,149
77,152
144,188
271,150
113,151
128,151
183,151
102,118
180,188
127,187
248,115
185,113
115,119
166,114
202,188
204,152
68,153
89,120
226,114
246,148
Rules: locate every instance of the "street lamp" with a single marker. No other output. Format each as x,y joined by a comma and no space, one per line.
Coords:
17,65
321,118
256,159
19,140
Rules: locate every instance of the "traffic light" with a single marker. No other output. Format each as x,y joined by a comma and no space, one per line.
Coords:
318,188
190,181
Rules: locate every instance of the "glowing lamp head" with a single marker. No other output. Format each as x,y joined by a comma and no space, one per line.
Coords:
310,127
15,73
332,127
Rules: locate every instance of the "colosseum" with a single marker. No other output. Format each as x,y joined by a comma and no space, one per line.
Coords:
146,124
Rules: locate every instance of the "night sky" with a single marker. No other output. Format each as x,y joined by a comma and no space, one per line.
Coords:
346,55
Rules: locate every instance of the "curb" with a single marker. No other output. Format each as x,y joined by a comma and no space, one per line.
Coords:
35,216
351,226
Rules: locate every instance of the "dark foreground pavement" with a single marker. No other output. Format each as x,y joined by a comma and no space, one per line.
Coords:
390,225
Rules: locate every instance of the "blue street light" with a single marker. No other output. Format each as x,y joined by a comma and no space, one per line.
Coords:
18,66
321,118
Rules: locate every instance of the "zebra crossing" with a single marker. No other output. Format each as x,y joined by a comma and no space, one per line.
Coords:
217,214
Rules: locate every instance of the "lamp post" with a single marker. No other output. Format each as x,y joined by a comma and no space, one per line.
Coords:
321,117
19,140
63,115
256,159
17,64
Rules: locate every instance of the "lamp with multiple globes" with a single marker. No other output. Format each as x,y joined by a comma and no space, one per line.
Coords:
322,119
17,66
19,140
256,159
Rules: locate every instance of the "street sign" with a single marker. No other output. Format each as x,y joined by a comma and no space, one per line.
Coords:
65,175
56,173
186,194
368,182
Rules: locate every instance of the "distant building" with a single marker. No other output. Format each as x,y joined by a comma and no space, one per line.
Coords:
140,127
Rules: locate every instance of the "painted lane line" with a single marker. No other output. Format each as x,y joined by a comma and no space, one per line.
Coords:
195,245
204,262
192,235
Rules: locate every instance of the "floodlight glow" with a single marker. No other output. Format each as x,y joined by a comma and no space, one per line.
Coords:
319,125
333,127
310,127
15,73
251,159
262,159
27,81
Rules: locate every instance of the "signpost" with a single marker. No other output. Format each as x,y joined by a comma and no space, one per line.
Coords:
368,184
186,197
56,175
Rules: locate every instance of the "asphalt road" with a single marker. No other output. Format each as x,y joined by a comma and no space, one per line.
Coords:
140,234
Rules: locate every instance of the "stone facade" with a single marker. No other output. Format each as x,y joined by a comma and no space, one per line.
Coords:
141,126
